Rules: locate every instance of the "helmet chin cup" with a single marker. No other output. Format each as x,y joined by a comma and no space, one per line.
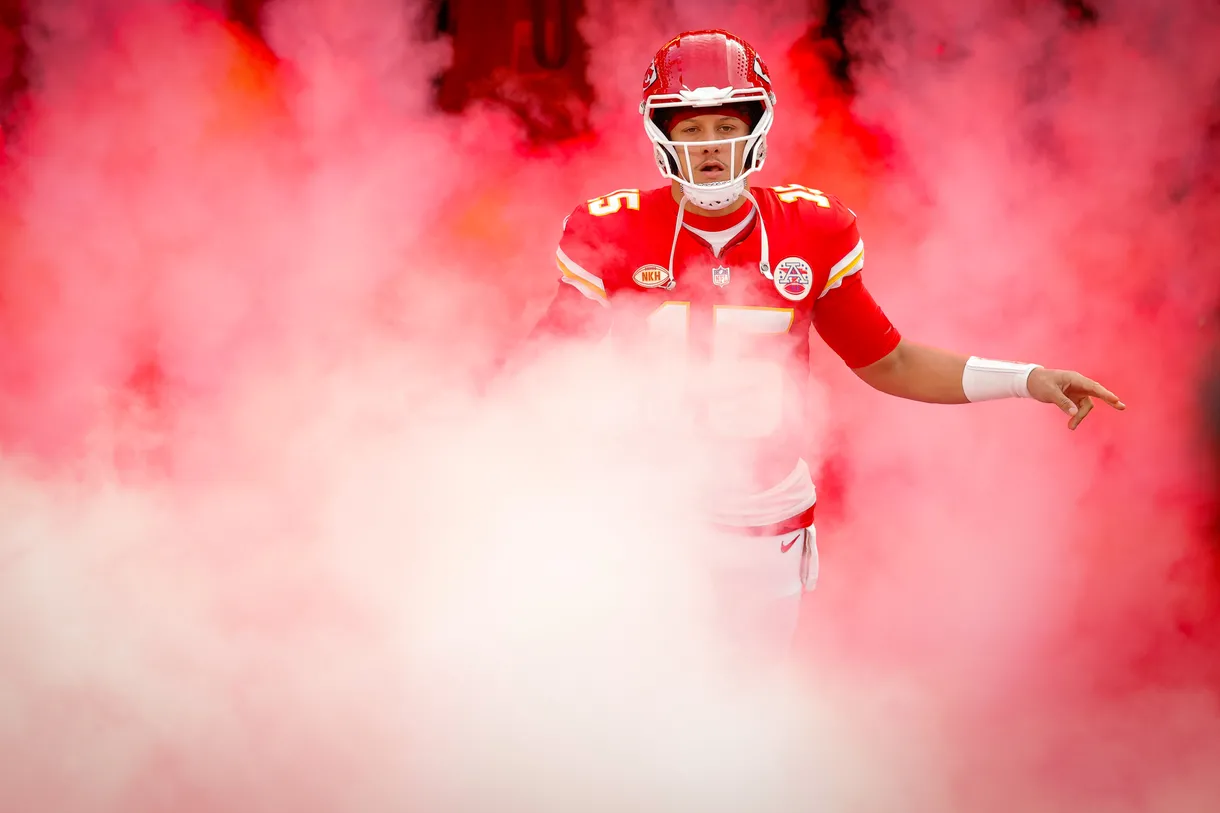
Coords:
714,196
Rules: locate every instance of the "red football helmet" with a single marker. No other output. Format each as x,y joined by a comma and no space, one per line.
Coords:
702,70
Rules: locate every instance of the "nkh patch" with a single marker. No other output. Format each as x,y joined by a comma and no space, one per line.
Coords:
651,276
720,276
793,278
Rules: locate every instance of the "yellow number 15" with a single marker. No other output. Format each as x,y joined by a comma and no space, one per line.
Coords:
745,393
609,204
794,192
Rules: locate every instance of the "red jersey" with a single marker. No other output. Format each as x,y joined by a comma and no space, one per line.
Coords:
740,294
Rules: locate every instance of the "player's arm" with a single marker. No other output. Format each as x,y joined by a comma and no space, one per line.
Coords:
851,322
591,241
579,309
920,373
923,373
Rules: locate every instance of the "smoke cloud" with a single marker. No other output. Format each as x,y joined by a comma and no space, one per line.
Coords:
268,540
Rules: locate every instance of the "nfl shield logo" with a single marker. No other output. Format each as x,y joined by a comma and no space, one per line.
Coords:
720,276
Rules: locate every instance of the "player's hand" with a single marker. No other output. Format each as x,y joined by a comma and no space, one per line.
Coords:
1070,391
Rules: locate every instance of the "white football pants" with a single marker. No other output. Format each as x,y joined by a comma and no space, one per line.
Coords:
763,579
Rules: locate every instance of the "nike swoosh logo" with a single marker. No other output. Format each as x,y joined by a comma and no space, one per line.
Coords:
785,547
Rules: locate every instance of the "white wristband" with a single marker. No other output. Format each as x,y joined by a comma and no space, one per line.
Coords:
988,380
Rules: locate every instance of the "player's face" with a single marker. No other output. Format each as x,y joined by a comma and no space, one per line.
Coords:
711,163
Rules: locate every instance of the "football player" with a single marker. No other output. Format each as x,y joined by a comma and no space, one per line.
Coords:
746,273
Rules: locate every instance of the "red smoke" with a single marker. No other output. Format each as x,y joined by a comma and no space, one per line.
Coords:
1048,204
262,548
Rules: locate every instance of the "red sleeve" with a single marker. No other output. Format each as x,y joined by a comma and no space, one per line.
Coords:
572,315
581,256
853,325
580,308
845,315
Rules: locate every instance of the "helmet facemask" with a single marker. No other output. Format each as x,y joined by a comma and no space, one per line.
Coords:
668,153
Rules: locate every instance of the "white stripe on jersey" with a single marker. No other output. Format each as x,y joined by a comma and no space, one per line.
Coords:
588,284
851,264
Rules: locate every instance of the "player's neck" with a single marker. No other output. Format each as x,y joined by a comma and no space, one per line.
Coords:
675,189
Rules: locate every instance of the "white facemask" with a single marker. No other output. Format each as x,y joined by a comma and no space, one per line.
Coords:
669,154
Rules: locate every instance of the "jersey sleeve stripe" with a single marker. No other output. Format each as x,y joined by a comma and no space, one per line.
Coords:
573,270
851,264
584,287
591,291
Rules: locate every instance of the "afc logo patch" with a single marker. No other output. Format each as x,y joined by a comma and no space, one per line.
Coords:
793,278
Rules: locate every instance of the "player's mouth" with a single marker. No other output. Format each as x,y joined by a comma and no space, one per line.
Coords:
712,170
